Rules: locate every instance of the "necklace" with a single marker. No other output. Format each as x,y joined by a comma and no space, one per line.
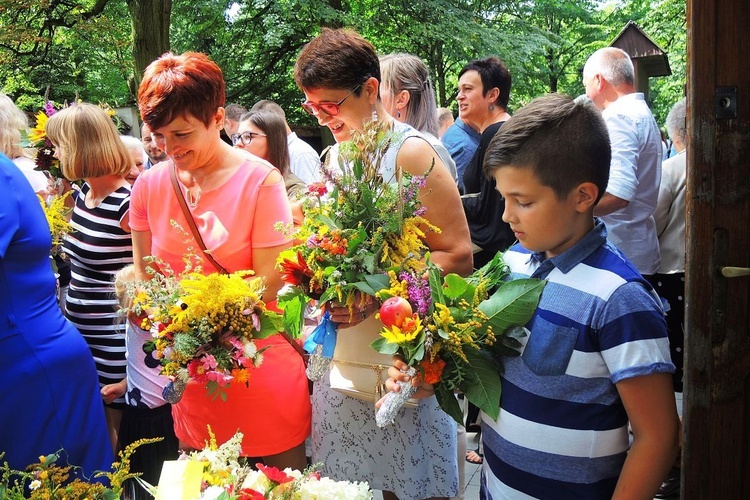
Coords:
193,199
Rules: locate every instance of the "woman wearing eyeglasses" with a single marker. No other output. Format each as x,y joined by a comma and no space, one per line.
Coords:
263,133
235,201
339,72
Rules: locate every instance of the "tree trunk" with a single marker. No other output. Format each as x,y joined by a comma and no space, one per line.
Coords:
150,20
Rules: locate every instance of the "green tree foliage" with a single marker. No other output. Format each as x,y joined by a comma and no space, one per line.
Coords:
97,49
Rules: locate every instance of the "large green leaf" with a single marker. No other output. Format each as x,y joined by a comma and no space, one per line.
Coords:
448,403
513,303
485,390
272,323
293,305
383,346
457,287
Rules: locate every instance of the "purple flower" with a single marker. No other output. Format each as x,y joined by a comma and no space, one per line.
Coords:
49,108
419,292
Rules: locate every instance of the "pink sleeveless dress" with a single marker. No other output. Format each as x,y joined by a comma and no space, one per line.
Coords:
274,412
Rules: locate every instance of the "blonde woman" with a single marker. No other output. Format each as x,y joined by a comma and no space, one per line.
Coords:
12,121
89,149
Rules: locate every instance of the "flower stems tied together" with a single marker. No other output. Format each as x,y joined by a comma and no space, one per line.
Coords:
320,344
325,335
393,401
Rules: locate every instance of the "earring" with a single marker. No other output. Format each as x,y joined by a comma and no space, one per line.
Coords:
492,107
374,115
398,114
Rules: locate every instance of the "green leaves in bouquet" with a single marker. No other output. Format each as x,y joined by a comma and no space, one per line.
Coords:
292,300
513,303
480,385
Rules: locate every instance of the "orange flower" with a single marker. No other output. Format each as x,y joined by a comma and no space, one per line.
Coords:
433,370
239,375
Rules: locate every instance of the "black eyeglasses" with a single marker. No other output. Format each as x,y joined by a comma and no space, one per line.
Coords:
245,137
329,108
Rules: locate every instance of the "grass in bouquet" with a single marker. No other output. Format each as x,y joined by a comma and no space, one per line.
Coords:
203,326
226,477
49,479
357,227
450,331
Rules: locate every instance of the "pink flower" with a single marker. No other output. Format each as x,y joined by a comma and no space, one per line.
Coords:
209,362
317,188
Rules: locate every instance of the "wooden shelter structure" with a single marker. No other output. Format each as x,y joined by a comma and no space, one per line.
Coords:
648,58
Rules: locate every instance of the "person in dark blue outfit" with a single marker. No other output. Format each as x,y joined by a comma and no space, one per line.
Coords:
49,395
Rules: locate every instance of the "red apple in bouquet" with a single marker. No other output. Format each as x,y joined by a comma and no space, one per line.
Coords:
394,311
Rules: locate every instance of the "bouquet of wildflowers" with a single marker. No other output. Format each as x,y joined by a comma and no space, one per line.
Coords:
449,329
357,227
204,326
37,138
225,478
45,151
49,480
56,213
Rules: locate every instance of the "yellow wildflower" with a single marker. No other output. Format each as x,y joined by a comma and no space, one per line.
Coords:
411,328
39,133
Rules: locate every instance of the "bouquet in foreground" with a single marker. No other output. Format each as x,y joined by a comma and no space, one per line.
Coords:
215,473
204,326
451,330
49,479
357,227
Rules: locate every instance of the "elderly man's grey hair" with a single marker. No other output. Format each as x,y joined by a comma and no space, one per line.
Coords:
613,64
677,122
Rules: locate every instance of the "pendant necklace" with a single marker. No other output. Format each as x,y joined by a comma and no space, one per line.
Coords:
193,199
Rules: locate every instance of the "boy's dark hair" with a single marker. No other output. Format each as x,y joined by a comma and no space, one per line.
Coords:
494,73
565,143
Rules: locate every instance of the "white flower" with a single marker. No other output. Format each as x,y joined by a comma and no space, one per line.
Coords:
256,480
212,493
35,484
258,359
328,489
249,350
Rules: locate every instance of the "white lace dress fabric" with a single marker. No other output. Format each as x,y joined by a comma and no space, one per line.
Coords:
415,457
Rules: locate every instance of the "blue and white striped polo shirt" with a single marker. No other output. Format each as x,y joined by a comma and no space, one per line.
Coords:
562,430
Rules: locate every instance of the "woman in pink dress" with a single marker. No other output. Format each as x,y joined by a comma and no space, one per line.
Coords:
235,203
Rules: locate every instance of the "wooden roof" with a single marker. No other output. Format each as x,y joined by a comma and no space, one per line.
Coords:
642,50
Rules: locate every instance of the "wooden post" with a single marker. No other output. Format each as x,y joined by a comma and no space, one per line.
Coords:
716,453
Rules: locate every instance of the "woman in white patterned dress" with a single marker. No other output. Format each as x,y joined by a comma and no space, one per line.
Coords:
339,73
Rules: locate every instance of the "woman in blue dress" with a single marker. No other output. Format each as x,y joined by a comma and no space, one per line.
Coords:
49,396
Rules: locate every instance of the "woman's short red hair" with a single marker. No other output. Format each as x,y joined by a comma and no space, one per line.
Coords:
178,85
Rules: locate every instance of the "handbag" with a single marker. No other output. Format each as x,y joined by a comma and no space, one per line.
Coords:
202,245
358,370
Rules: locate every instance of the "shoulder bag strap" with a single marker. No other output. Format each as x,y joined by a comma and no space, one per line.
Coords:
191,221
207,253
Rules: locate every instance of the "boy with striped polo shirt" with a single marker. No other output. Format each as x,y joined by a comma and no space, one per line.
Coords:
597,356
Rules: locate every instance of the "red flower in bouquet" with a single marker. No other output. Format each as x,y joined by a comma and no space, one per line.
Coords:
248,494
297,273
273,474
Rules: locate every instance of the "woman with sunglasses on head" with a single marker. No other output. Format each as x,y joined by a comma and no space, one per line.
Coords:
263,133
339,72
235,201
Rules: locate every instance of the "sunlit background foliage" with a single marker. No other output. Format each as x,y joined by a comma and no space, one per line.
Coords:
68,49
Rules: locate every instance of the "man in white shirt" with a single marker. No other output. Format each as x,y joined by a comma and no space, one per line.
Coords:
627,207
303,159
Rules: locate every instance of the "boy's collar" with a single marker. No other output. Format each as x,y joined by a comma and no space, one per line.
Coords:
579,251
